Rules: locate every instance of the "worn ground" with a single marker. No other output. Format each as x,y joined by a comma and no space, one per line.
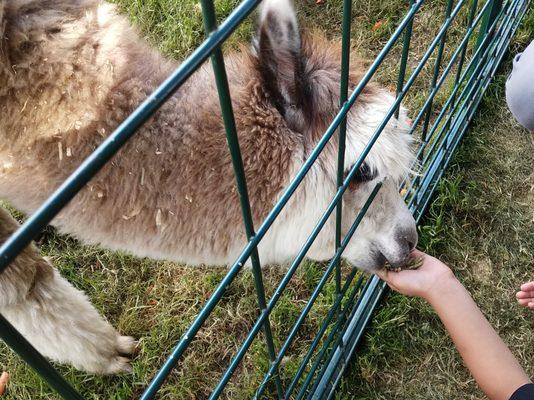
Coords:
480,223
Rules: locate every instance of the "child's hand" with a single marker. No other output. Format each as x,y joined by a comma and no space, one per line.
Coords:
427,281
525,297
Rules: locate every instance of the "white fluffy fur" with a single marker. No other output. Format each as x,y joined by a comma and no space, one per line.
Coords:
390,157
62,324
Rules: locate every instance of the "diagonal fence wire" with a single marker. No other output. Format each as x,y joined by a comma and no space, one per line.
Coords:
499,23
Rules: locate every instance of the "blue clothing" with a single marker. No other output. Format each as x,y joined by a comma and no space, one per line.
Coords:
525,392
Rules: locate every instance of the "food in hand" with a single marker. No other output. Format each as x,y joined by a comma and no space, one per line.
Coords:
413,263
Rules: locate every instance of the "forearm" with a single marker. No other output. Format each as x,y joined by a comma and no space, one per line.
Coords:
490,361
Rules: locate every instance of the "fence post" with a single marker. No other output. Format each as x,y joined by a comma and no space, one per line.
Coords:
404,58
343,94
217,60
435,76
487,26
472,11
491,13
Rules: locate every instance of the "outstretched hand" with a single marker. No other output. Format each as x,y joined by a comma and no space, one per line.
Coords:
426,281
525,296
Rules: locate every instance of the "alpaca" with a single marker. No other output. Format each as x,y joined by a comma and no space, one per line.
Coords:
72,70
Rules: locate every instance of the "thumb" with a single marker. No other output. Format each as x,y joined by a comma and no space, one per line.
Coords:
381,273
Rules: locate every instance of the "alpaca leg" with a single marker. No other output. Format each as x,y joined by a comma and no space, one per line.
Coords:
56,318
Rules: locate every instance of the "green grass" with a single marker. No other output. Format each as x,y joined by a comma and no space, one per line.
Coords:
481,225
480,222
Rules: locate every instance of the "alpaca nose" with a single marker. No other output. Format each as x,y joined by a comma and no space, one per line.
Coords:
407,237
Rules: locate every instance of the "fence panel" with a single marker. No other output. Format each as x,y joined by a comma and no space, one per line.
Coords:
440,126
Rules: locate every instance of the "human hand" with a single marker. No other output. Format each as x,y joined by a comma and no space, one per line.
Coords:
525,296
428,281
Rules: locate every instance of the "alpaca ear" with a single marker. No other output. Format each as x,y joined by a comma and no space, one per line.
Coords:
5,71
2,26
2,22
278,48
3,40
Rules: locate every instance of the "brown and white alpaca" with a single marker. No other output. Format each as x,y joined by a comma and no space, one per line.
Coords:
72,70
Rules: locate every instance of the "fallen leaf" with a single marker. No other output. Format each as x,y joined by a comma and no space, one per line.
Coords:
377,25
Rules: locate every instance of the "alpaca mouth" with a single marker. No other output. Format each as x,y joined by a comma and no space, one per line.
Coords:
381,259
392,264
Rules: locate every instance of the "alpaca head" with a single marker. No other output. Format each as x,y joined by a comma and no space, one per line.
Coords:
302,76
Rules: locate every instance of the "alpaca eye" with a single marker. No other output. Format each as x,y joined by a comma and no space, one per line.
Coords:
364,174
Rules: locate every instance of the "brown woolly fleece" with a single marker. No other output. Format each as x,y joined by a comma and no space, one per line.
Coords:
72,70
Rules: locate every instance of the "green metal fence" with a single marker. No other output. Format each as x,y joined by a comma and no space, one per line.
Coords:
471,64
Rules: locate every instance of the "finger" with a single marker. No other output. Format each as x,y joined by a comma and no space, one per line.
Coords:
525,302
524,295
531,305
383,274
4,379
390,277
527,287
386,276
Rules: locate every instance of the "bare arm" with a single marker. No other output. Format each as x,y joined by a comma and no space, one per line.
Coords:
491,363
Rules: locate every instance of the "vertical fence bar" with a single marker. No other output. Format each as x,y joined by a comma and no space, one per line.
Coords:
488,20
217,60
404,58
326,344
332,370
472,12
343,94
437,68
323,329
35,360
485,34
487,26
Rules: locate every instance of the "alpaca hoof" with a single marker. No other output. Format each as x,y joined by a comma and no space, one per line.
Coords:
117,360
127,345
119,365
